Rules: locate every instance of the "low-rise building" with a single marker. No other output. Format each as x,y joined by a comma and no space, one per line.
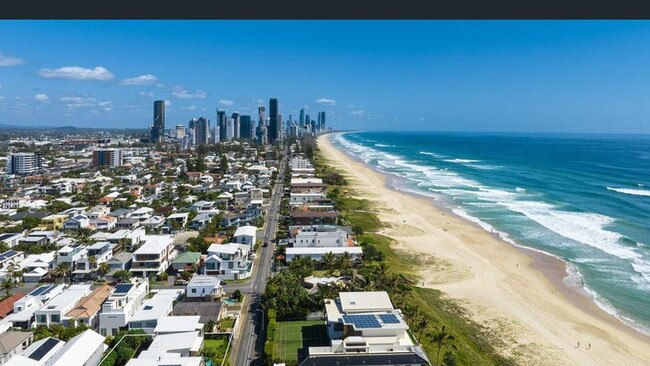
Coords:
228,261
245,235
154,256
55,310
87,310
121,305
203,287
153,309
13,343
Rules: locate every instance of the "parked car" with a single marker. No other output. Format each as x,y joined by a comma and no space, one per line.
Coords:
180,282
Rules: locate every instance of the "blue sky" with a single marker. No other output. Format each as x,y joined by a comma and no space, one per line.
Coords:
550,76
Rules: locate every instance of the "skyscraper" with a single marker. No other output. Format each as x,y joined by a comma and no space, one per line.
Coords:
157,131
201,131
180,131
24,163
246,132
261,111
221,122
235,125
273,121
302,117
107,158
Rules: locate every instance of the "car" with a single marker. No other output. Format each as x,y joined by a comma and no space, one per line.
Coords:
180,282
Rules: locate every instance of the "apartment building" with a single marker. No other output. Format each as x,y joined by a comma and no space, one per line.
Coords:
154,256
121,304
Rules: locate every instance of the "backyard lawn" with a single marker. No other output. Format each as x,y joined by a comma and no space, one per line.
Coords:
291,336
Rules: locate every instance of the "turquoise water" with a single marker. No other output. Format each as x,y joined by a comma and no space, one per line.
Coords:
583,198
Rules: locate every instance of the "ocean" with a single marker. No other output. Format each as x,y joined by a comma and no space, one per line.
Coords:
584,198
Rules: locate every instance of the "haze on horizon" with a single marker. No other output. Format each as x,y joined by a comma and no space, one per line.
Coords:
515,76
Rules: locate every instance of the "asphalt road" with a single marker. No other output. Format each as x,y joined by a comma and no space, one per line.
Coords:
250,347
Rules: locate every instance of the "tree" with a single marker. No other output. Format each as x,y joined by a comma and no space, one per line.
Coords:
441,338
302,266
30,222
209,326
236,295
344,263
198,244
328,261
103,269
92,261
223,164
62,270
7,285
122,275
449,359
209,353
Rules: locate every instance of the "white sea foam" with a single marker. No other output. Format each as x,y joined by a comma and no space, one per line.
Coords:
461,161
384,145
634,192
519,189
435,155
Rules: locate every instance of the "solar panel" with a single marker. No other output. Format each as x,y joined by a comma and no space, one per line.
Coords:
43,349
41,290
7,254
362,321
123,288
388,318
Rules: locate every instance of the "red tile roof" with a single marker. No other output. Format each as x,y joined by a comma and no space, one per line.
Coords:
7,305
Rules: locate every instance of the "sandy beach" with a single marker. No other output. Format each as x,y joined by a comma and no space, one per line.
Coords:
518,293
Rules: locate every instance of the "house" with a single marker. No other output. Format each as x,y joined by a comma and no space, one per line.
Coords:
153,309
15,202
50,236
119,262
73,211
127,223
98,211
224,198
54,311
11,239
178,324
77,222
127,238
142,213
121,304
7,305
202,220
153,222
185,260
177,221
36,266
109,198
25,307
101,252
120,213
84,349
207,311
87,310
365,329
177,349
241,199
202,287
71,255
333,238
228,261
10,257
204,206
301,198
304,217
317,253
53,222
245,235
13,343
154,256
103,223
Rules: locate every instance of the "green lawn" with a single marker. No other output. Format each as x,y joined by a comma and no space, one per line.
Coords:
219,344
291,336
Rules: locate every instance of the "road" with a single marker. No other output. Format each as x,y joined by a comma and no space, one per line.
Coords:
250,347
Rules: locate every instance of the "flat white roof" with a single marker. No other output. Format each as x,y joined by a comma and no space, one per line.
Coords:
157,306
324,250
166,344
178,324
247,230
154,244
67,298
230,248
166,361
365,301
204,280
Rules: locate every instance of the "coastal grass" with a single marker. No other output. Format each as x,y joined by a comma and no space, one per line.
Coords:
291,336
474,343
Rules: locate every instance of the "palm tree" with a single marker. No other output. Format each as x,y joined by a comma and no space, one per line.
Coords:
103,269
329,261
441,338
92,261
344,262
61,270
7,285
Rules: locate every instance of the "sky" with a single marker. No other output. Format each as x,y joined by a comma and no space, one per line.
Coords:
437,75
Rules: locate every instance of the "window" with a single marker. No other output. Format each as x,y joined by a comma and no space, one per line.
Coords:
41,318
193,290
103,332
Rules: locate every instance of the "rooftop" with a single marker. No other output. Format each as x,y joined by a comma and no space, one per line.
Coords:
90,305
247,230
187,257
10,340
177,324
154,244
365,301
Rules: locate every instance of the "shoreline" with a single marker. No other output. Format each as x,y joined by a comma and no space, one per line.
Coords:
499,278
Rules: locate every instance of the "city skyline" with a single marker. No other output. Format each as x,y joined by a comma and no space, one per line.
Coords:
513,76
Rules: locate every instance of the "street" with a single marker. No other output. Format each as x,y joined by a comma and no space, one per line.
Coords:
250,347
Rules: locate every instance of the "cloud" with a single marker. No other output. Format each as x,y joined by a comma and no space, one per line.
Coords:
259,101
421,118
10,61
77,73
168,103
146,79
226,102
41,97
190,108
145,94
78,102
181,93
326,101
359,113
105,106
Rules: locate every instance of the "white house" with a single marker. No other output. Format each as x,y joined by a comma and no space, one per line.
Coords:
153,309
202,286
54,310
154,256
178,324
85,349
245,235
228,261
317,253
11,239
24,308
300,198
335,238
119,307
